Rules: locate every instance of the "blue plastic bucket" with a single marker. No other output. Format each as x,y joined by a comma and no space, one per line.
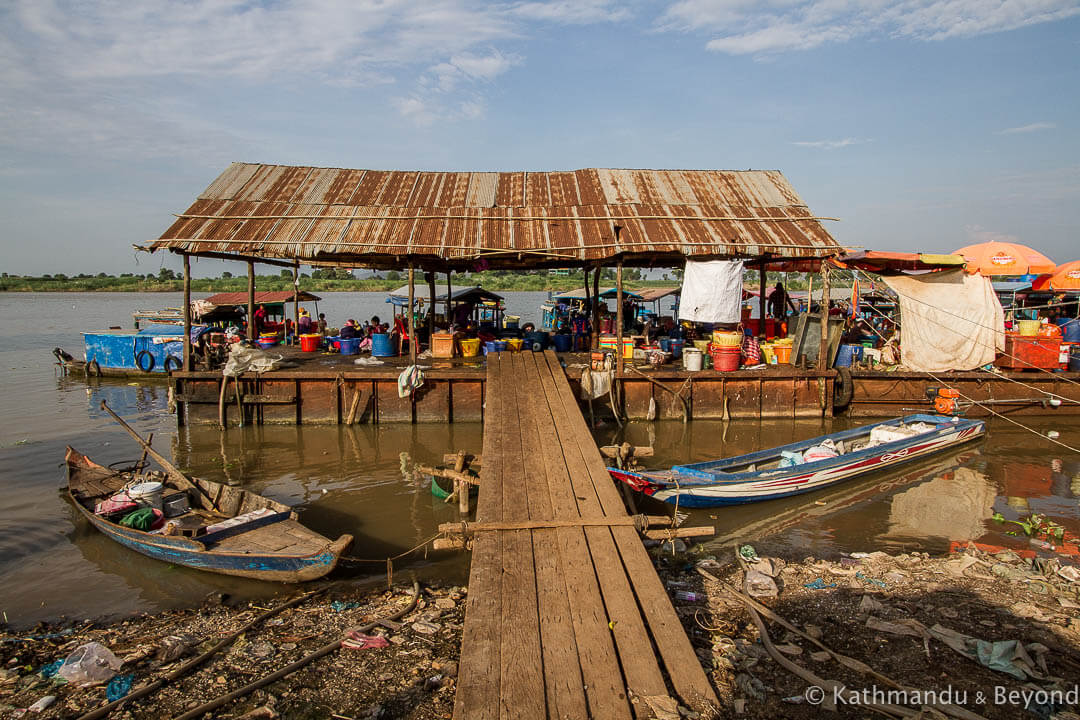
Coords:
500,346
349,346
665,344
563,343
381,345
847,355
489,347
1074,358
676,346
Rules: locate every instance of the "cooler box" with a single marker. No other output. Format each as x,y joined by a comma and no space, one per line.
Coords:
1023,352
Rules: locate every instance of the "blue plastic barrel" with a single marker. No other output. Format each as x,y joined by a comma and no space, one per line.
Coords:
562,342
489,347
665,344
349,346
535,338
676,346
1074,358
847,355
381,345
500,346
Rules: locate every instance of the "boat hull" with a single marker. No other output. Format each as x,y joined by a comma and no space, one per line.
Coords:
740,488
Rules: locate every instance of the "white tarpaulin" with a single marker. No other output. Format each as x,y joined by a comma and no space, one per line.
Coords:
712,291
948,321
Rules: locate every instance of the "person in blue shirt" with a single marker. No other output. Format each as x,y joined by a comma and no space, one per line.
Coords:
1069,324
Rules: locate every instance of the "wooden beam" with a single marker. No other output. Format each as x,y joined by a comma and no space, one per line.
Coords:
619,320
469,529
296,302
412,315
596,307
431,304
187,313
761,300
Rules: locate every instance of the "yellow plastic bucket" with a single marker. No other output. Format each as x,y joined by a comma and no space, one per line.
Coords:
469,347
768,354
1028,327
514,344
702,345
727,338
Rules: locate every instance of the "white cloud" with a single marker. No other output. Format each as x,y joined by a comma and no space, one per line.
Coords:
1030,128
830,144
742,27
571,12
976,234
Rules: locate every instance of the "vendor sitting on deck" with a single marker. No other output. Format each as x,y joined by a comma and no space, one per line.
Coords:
303,325
1069,323
349,331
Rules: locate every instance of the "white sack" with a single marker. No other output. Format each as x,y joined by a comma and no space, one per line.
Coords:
712,291
948,321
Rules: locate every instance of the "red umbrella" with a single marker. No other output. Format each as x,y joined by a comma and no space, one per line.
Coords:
1003,258
1066,277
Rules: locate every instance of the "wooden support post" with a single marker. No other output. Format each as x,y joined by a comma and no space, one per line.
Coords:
596,307
761,301
412,315
431,304
823,351
251,302
296,302
449,299
590,301
619,320
462,487
187,313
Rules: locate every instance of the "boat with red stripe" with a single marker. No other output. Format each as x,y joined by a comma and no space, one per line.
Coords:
804,466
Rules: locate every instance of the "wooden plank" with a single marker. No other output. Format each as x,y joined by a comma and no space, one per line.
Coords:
559,570
683,667
432,402
467,401
479,675
521,694
640,669
389,407
318,402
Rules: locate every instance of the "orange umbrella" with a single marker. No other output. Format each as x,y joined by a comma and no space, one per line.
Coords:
1066,277
1003,258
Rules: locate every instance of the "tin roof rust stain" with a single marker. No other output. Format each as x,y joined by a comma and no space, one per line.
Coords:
380,217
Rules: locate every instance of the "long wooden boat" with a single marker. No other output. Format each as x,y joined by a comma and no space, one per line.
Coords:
268,543
766,474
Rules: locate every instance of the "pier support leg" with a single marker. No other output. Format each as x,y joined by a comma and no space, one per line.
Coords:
762,332
187,313
823,351
596,307
412,315
296,302
619,321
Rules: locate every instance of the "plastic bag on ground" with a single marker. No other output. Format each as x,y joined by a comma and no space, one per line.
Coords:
89,663
758,584
242,359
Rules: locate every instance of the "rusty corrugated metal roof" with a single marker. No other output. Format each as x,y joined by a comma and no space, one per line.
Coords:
379,218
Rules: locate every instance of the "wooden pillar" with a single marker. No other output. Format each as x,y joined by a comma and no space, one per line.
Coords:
619,318
296,302
589,303
596,309
449,299
823,351
187,312
251,301
761,301
412,315
431,304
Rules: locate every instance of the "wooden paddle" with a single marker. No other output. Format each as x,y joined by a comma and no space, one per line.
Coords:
182,480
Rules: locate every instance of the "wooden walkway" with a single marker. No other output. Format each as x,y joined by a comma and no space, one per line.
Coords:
567,622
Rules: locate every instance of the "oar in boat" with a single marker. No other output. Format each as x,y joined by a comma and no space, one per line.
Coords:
171,470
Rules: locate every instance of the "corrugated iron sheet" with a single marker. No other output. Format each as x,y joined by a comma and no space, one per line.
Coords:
380,218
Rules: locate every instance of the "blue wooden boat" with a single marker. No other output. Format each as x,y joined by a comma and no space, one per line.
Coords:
778,472
268,543
150,352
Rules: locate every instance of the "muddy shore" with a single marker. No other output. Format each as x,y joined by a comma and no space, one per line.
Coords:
854,625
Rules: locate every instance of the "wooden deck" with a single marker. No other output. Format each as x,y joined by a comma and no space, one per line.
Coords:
567,622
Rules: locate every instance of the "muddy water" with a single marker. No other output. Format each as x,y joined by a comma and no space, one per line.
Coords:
350,479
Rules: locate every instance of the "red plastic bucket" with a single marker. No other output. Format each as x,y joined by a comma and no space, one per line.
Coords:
310,343
726,359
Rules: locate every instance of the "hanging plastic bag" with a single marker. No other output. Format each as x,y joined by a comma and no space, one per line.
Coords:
89,664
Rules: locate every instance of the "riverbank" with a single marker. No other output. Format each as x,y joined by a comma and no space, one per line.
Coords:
970,632
969,635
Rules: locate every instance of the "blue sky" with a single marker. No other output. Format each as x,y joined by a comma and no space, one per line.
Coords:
922,124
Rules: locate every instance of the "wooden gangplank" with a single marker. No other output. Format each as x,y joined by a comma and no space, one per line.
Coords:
561,622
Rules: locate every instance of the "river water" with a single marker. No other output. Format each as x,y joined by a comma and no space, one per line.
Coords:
52,563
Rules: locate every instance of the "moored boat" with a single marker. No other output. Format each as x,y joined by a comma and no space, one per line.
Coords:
226,530
803,466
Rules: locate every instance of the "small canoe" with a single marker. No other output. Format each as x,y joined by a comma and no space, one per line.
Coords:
781,471
227,529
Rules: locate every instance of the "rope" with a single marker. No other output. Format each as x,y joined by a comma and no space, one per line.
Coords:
390,560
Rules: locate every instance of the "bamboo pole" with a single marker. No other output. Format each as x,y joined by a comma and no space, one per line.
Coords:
596,307
296,302
251,301
449,298
619,320
412,315
590,302
823,351
761,301
187,312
